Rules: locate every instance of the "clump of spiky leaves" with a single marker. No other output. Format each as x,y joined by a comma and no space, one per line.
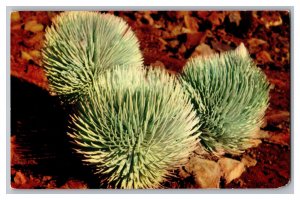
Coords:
81,45
230,95
135,127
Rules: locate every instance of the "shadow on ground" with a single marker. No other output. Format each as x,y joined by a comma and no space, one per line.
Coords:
39,123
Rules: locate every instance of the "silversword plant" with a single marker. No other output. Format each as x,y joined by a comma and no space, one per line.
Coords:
81,45
133,128
230,95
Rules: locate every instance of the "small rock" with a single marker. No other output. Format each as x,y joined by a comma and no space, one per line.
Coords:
26,56
271,19
279,138
254,42
191,24
147,16
248,161
20,178
216,18
206,173
33,26
36,57
235,17
35,53
15,16
264,57
231,168
278,117
46,178
174,43
203,50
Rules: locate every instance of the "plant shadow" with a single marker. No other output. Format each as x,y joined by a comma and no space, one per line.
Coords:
39,125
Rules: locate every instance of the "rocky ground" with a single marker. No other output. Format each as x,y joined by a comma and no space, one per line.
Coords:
40,155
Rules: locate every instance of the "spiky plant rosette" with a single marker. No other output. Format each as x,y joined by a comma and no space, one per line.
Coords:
81,45
135,127
230,95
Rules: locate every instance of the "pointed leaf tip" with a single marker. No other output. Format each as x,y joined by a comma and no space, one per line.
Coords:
242,51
